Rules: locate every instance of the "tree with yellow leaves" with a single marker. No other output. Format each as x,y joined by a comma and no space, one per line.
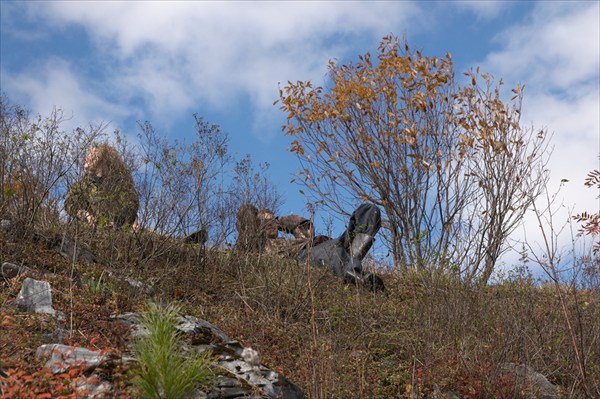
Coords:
450,165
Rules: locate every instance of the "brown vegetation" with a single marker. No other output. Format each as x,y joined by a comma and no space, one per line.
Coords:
434,329
333,340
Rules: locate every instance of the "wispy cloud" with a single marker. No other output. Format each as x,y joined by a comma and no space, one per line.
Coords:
558,48
173,56
56,86
556,54
484,10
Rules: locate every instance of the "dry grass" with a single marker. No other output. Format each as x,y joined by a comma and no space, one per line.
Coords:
332,340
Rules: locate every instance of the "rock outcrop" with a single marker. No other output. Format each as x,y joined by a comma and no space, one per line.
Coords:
239,371
241,374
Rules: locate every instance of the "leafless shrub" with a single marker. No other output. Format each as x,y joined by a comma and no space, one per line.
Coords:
251,185
180,183
37,160
566,271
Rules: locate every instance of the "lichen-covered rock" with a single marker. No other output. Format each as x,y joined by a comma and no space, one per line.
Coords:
36,296
61,358
243,375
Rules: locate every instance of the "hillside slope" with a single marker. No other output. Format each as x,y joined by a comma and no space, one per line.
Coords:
427,336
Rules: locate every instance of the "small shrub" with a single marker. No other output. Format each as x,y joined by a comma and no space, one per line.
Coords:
164,370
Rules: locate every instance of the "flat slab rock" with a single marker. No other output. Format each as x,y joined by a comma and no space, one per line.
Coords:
61,358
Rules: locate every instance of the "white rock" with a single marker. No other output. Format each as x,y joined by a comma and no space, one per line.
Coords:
36,296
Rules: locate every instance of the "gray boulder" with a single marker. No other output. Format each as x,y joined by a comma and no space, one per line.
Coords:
10,270
529,382
36,296
62,357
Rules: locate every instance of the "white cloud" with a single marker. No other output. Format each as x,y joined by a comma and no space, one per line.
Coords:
176,55
558,48
53,85
557,56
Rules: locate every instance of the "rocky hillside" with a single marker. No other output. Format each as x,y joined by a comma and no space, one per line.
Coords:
71,301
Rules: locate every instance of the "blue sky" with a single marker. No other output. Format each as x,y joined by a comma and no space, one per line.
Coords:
121,62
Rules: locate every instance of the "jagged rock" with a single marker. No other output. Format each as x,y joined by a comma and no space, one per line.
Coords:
193,325
10,270
246,377
36,296
132,320
62,357
530,382
78,251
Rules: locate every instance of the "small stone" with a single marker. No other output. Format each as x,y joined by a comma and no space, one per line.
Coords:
138,286
57,336
214,395
236,392
227,382
198,394
251,357
5,224
530,381
78,251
